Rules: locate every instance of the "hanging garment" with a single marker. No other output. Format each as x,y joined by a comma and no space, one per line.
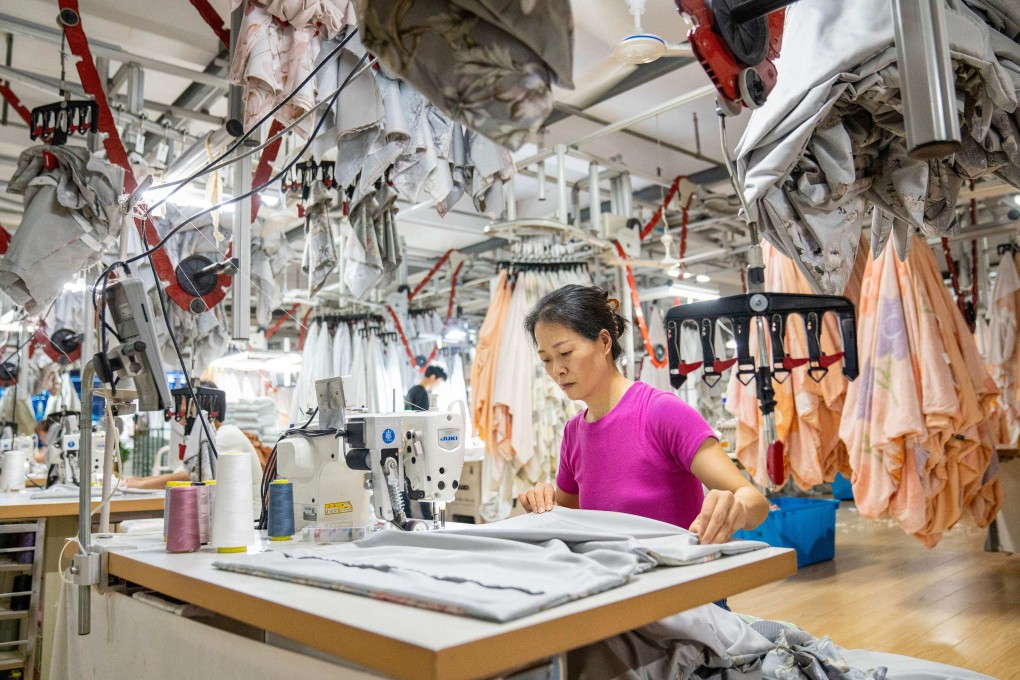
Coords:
276,49
807,413
71,213
916,422
1001,344
651,375
319,258
499,60
483,368
270,253
493,571
826,155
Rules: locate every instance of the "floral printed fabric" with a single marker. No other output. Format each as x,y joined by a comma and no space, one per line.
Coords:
276,50
920,423
489,64
826,156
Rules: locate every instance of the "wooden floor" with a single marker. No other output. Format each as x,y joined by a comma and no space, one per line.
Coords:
955,603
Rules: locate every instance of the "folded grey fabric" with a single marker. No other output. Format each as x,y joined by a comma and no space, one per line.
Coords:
498,572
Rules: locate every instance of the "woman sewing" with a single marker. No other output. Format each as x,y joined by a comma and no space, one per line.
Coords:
635,449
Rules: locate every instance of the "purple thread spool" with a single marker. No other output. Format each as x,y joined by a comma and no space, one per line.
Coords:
182,530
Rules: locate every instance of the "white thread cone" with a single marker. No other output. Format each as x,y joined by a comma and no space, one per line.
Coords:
233,521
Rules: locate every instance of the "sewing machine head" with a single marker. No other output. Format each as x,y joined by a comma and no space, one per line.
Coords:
358,468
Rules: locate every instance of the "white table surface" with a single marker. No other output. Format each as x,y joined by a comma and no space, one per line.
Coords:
411,642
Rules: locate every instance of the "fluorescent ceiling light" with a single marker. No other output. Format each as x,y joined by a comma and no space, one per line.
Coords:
702,278
455,335
692,292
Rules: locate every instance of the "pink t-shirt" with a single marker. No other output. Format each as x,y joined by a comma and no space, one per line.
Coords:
637,458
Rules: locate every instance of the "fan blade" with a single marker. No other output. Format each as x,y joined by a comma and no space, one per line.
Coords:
595,82
682,50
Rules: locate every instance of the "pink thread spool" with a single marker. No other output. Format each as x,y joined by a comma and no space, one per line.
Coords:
183,530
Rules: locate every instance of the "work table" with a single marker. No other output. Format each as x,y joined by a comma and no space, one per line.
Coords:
410,642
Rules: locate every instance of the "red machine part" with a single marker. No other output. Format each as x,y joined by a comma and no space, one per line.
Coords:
719,61
44,342
70,20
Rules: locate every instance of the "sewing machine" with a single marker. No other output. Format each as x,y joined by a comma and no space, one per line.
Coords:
357,468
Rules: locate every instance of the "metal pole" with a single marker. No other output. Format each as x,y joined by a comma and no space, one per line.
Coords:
510,195
235,93
595,203
112,440
241,288
926,78
85,494
691,96
626,209
561,182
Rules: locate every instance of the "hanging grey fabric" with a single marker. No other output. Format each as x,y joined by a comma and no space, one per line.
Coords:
70,212
825,155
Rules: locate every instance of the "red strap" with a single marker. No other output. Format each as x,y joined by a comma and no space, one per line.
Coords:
215,21
449,315
289,314
12,99
432,272
645,230
5,240
827,360
264,170
400,332
639,315
776,463
115,152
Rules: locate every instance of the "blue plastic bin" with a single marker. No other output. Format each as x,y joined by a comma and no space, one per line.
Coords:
842,489
808,525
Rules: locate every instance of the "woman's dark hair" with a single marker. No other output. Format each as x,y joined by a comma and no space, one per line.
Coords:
435,371
584,309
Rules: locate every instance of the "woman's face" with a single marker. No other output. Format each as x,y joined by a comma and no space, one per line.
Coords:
578,365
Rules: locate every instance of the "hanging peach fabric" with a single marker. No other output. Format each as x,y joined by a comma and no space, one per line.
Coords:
807,412
916,422
483,368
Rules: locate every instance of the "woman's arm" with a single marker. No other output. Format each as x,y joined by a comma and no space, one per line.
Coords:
732,502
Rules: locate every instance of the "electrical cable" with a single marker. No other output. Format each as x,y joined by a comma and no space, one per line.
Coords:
149,251
269,472
240,140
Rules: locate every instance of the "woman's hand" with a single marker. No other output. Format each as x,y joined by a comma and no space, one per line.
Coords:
722,514
539,499
130,482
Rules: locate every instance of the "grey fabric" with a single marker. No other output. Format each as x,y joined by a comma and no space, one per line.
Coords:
488,64
500,571
70,214
703,642
709,642
908,668
825,155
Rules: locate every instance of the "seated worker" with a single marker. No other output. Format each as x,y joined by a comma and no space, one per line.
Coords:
635,449
417,398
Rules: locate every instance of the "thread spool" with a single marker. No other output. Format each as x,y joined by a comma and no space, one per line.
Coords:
182,527
12,475
166,505
233,519
281,510
203,512
210,485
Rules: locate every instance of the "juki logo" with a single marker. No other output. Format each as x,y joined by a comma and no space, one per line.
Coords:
449,438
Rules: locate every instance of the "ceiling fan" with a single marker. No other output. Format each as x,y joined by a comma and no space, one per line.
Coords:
638,47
